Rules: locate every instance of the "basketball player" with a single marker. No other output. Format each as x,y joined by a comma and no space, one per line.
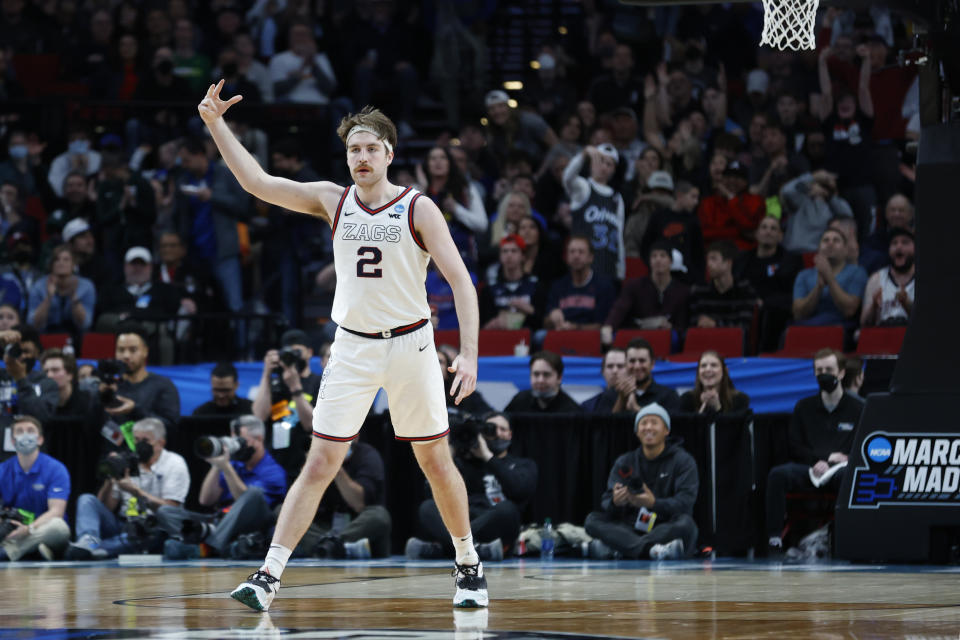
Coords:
383,237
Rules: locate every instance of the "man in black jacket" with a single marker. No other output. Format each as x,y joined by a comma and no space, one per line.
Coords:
648,504
820,437
544,394
22,389
636,388
498,487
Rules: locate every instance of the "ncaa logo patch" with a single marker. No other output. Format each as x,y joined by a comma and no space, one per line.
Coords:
398,208
879,449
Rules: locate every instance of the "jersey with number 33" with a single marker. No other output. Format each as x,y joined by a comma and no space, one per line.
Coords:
381,263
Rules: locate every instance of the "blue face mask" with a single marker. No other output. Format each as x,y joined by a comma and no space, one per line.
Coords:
79,146
18,151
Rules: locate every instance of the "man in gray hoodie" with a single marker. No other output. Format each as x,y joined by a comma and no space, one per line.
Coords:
648,504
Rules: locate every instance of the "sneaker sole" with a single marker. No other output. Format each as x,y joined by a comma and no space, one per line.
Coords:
477,602
248,596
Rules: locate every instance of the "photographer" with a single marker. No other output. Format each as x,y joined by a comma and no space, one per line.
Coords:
248,482
137,393
498,487
223,386
352,521
34,489
157,477
285,399
23,390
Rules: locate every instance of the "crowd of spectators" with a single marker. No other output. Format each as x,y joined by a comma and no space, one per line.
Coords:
755,187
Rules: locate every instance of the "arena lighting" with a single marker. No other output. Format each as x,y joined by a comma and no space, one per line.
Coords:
513,85
534,64
562,30
484,121
512,103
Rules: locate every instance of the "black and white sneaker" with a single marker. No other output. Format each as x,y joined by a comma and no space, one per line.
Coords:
471,586
258,590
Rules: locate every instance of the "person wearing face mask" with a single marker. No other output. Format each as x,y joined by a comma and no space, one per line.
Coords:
544,394
820,436
888,299
24,166
38,486
22,389
498,487
21,266
248,482
79,156
101,519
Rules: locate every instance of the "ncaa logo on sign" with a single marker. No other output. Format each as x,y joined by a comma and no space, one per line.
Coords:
398,208
879,449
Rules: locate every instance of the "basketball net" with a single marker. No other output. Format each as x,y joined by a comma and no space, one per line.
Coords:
788,24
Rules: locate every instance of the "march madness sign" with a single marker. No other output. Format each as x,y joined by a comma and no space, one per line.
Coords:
907,469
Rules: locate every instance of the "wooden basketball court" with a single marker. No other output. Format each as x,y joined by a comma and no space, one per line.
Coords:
529,599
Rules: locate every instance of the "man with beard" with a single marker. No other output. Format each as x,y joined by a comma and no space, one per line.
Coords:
544,394
888,299
498,487
635,388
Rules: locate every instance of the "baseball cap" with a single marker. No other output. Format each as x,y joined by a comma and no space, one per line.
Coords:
652,409
515,239
757,81
660,180
294,336
74,228
138,253
17,237
496,97
609,150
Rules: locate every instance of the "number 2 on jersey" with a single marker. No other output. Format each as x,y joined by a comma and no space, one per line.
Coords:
363,262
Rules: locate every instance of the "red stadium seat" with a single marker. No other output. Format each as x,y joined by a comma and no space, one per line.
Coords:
636,268
500,342
98,346
880,341
803,342
659,339
54,340
727,341
573,343
808,259
447,336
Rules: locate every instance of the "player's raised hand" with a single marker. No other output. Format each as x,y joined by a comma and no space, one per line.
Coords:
212,107
466,378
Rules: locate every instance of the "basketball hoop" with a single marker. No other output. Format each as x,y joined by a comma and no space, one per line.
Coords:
788,24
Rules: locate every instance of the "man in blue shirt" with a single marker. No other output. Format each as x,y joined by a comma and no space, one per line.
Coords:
830,291
38,487
249,483
582,298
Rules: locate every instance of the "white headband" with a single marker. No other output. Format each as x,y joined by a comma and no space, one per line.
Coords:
360,127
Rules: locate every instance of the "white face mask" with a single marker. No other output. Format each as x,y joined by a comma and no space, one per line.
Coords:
26,443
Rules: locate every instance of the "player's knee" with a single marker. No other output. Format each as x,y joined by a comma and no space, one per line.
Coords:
321,464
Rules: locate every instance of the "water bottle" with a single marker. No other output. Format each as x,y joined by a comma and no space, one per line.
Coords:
547,540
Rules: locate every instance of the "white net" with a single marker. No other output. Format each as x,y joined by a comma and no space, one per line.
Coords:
788,24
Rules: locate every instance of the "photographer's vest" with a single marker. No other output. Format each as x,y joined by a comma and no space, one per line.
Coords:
600,219
381,263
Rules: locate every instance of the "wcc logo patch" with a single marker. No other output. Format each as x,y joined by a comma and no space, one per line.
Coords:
907,469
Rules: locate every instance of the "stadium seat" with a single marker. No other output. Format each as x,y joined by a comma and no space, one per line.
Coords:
803,342
727,341
98,346
501,342
636,268
659,339
880,341
808,258
447,336
573,343
54,340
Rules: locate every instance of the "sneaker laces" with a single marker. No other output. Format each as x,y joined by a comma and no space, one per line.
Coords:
466,570
262,576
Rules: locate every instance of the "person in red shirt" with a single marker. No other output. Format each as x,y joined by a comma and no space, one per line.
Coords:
732,212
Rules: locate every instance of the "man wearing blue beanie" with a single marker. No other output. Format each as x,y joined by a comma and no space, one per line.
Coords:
648,505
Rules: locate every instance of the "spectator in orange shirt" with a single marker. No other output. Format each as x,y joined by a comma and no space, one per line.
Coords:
732,212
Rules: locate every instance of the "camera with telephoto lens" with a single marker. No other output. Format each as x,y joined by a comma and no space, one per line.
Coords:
464,429
195,531
115,465
213,446
143,530
110,372
9,519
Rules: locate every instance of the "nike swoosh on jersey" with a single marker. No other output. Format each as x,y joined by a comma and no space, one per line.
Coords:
424,347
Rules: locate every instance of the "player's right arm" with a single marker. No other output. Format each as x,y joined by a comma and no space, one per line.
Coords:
314,198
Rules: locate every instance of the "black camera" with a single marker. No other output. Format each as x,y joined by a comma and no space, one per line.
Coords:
115,464
195,531
143,530
292,357
12,350
110,372
464,429
9,519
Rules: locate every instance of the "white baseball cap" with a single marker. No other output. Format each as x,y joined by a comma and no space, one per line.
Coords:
609,150
757,81
660,180
138,253
74,228
496,97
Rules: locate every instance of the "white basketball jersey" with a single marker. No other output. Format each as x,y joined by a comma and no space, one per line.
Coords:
890,308
381,264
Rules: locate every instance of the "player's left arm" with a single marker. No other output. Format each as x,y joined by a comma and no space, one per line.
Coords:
433,230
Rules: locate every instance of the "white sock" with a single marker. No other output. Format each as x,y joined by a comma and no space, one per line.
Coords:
466,553
775,541
276,560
